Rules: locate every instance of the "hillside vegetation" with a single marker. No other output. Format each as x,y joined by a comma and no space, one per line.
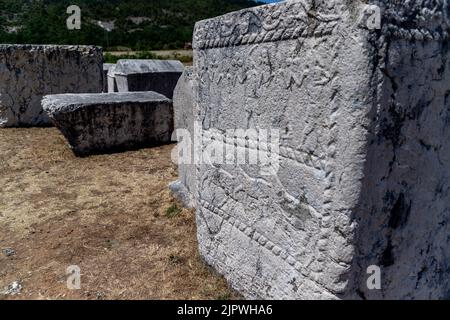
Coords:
135,24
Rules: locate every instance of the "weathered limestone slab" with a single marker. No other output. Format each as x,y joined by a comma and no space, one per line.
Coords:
106,68
148,75
183,105
363,175
96,123
112,84
28,72
183,101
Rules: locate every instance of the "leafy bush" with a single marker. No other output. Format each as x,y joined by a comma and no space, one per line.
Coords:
166,24
110,58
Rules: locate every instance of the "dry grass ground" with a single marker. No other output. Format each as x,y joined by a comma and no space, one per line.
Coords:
186,56
112,215
162,53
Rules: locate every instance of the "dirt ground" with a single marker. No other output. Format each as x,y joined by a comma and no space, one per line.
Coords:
111,215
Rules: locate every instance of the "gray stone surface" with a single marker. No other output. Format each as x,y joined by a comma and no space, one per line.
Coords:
183,105
98,123
404,202
28,72
112,84
148,75
364,157
106,68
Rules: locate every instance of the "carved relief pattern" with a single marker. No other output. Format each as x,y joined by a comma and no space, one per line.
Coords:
251,74
302,19
407,20
261,68
290,20
301,217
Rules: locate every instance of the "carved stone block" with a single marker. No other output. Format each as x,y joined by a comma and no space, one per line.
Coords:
98,123
148,75
28,72
364,151
184,115
106,68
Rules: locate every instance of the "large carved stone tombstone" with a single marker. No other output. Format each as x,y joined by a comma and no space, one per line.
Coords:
362,117
28,72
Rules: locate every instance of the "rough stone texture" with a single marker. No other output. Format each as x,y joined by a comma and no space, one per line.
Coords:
405,197
183,107
28,72
183,101
148,75
97,123
112,84
364,157
106,68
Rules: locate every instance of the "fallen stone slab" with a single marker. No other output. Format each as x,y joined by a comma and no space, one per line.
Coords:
108,122
106,68
354,202
184,114
148,75
28,72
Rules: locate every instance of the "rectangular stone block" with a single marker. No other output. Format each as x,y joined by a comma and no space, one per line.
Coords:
184,116
28,72
112,84
108,122
148,75
106,68
359,176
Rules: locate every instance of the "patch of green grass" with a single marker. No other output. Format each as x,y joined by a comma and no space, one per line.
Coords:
224,297
173,211
180,57
109,58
